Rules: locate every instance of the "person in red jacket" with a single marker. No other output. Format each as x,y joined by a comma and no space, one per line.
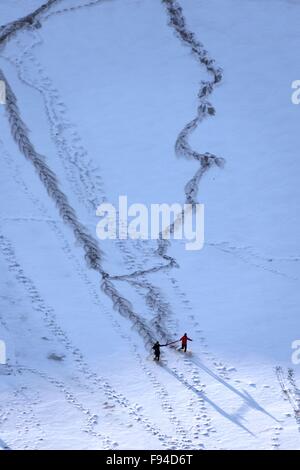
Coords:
184,341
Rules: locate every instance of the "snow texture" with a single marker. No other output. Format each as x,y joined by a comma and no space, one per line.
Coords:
101,97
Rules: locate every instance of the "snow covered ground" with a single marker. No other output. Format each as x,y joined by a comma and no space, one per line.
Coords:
104,89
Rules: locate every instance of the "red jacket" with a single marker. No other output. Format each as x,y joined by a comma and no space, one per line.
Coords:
185,339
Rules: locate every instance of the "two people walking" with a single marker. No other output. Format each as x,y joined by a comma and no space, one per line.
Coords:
156,348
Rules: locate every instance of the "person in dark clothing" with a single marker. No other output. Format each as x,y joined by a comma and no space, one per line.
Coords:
156,349
184,339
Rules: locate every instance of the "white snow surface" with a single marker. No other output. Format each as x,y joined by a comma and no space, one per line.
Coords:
104,91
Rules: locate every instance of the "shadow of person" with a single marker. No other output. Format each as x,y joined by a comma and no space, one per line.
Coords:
233,418
244,395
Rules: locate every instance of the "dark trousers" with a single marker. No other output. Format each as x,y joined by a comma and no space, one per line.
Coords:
157,356
183,346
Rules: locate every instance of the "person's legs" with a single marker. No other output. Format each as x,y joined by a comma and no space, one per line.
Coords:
185,348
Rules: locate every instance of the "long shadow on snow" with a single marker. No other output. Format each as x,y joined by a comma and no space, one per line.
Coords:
248,399
233,418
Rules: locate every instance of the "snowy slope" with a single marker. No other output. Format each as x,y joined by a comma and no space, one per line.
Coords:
104,89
